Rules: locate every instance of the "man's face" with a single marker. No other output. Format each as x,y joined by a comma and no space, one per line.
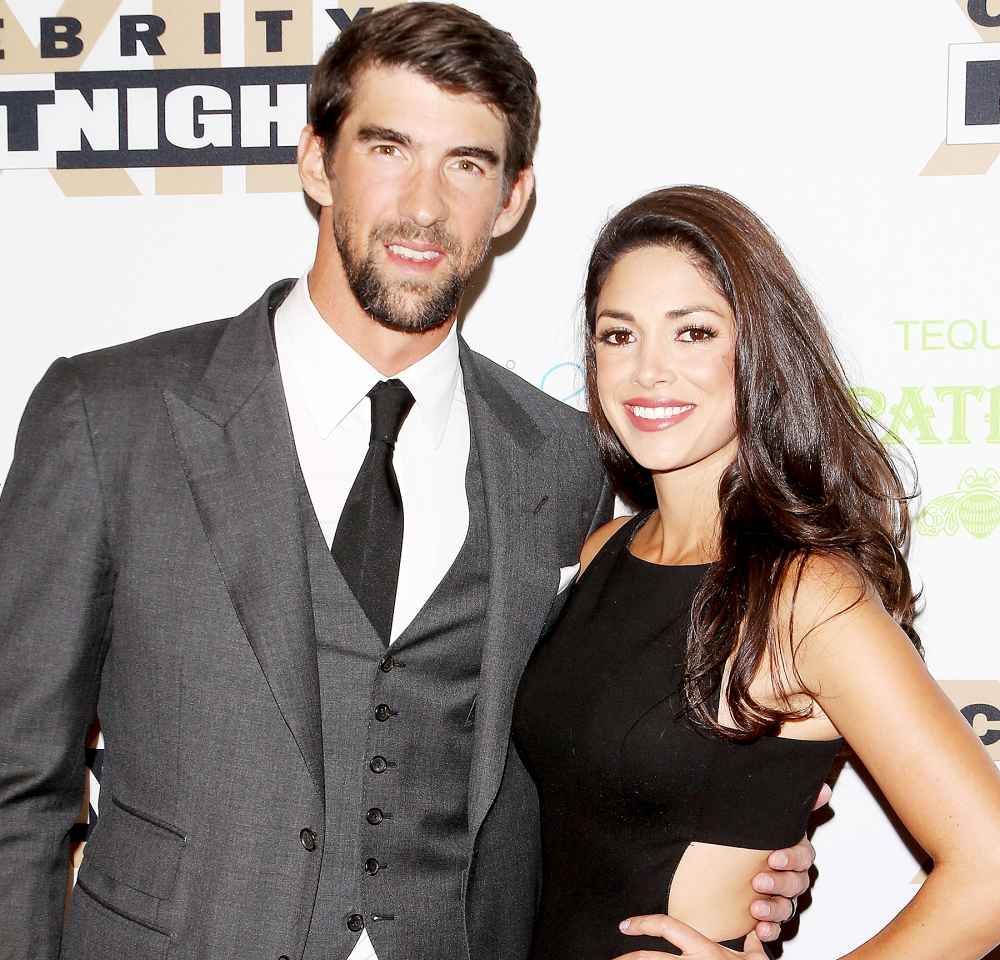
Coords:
416,183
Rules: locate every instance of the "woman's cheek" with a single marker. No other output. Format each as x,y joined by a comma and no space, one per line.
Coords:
605,379
711,374
607,405
606,398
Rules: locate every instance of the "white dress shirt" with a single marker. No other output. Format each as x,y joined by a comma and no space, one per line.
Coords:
326,385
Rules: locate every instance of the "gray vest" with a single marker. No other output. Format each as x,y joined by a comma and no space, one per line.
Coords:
397,739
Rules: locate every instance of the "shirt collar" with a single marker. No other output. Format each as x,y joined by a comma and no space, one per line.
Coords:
336,379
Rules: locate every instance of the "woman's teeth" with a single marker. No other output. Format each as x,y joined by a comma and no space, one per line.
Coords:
659,413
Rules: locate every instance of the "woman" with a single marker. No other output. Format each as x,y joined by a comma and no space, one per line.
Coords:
683,713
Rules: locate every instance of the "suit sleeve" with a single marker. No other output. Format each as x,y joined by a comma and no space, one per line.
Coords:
55,599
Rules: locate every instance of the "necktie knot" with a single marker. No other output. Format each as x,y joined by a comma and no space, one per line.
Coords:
391,402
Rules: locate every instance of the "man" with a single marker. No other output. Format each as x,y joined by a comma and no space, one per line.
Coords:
305,703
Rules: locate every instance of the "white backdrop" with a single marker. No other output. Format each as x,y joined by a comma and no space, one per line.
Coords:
828,119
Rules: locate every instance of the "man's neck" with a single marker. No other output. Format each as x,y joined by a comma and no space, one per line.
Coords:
388,351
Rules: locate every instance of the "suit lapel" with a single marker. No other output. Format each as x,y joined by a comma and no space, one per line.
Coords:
523,566
235,440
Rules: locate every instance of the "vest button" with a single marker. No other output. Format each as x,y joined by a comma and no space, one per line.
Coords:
378,765
307,838
375,816
355,923
372,866
386,664
383,712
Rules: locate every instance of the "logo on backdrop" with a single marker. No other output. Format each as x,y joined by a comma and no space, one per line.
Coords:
974,508
187,111
949,413
972,143
979,702
984,718
980,13
565,381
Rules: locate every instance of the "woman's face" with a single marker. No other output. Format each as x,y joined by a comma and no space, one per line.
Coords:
665,347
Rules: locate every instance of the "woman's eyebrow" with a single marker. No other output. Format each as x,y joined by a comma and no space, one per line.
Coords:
692,308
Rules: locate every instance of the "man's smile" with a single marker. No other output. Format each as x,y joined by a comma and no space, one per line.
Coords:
421,256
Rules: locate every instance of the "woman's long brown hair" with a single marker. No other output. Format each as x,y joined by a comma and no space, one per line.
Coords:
810,477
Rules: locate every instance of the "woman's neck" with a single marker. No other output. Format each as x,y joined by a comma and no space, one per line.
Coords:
686,528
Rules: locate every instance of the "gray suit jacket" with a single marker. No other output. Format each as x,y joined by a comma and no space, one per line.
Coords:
153,574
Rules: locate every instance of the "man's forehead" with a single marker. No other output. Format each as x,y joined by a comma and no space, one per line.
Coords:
401,99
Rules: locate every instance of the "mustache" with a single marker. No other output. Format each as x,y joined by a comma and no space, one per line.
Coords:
403,231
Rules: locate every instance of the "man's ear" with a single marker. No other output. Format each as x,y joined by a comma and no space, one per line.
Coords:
512,211
312,168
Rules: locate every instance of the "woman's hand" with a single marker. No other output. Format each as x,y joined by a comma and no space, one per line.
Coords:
693,944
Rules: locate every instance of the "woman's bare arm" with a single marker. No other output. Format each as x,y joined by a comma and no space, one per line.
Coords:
874,687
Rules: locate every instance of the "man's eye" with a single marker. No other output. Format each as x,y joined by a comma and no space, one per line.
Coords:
386,149
467,166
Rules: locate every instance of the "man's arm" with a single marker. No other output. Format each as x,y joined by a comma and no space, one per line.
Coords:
55,598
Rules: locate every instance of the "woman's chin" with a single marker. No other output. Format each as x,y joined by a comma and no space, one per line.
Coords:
657,464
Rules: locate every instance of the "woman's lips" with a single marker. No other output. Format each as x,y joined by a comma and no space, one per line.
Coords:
653,415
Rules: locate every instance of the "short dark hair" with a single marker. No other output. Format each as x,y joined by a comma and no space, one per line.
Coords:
448,45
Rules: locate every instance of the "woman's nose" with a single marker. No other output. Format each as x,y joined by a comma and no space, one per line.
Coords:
655,367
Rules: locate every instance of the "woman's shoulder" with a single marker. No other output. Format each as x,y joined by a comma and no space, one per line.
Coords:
826,606
599,538
819,586
823,607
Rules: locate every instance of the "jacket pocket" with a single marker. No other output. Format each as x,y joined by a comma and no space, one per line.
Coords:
135,849
96,928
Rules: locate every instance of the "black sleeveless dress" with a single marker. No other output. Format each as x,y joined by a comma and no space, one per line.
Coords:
625,781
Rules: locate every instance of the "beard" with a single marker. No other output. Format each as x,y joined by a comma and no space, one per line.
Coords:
409,306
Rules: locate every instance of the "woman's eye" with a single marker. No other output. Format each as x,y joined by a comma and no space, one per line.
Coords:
618,337
696,334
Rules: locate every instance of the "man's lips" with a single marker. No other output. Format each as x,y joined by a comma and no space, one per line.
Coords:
415,256
652,413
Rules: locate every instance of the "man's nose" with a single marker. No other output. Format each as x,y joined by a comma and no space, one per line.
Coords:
423,200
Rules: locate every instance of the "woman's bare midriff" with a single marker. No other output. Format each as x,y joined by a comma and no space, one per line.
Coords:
711,889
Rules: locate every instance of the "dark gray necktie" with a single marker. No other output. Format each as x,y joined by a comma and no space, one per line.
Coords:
369,537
